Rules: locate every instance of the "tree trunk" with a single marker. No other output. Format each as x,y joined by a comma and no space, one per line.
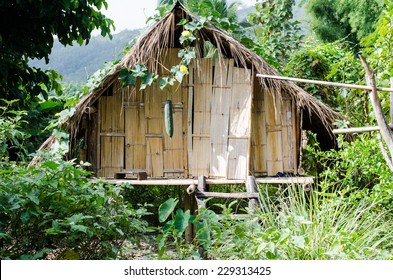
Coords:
385,130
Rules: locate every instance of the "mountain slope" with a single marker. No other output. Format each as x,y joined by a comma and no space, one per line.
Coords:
76,63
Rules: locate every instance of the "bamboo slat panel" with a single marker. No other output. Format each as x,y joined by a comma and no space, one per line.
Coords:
173,147
135,146
154,131
112,115
237,158
112,156
287,134
154,159
112,148
239,126
203,79
274,131
258,136
220,105
92,143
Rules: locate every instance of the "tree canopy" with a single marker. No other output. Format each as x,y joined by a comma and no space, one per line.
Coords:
27,30
337,19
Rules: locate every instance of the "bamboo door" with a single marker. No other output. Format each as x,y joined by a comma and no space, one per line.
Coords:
221,123
111,135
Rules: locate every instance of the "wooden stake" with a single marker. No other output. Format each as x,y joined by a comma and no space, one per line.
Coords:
317,82
251,186
189,204
355,129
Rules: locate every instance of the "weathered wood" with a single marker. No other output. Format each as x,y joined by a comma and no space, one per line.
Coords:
135,141
154,154
188,182
252,188
115,134
220,118
191,189
258,135
239,124
386,132
190,115
154,182
355,129
173,146
202,187
92,143
111,147
202,117
239,195
285,180
237,158
189,204
384,153
317,82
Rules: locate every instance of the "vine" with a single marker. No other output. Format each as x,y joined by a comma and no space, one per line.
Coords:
129,77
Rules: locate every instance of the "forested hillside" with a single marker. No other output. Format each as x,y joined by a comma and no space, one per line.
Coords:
75,63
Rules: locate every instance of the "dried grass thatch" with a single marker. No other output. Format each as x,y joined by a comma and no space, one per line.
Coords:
163,34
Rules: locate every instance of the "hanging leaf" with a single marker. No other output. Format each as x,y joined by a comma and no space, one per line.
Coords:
127,78
148,80
163,82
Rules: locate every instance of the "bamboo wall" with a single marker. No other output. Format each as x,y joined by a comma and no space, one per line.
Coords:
275,126
225,126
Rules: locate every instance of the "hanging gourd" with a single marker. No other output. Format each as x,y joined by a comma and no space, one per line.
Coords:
168,118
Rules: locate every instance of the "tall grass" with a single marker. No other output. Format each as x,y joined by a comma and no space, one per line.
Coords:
298,225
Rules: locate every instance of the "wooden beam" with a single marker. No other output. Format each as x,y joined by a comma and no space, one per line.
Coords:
317,82
200,182
285,180
154,182
241,195
355,129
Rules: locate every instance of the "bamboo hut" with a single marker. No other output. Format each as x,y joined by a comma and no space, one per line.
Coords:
228,123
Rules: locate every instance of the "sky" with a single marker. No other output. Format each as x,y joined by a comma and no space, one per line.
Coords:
132,14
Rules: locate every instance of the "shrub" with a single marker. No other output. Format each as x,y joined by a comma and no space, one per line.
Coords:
292,225
55,208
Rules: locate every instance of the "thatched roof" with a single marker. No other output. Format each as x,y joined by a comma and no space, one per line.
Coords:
165,33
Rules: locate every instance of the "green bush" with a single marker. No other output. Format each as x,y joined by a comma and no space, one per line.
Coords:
357,166
54,208
291,225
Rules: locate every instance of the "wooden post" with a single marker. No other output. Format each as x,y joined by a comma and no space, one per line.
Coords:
201,188
251,186
201,204
385,130
189,204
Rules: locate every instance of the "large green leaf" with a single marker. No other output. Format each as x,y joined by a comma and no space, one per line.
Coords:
166,209
182,220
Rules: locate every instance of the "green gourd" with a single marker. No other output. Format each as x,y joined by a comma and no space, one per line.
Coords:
168,117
